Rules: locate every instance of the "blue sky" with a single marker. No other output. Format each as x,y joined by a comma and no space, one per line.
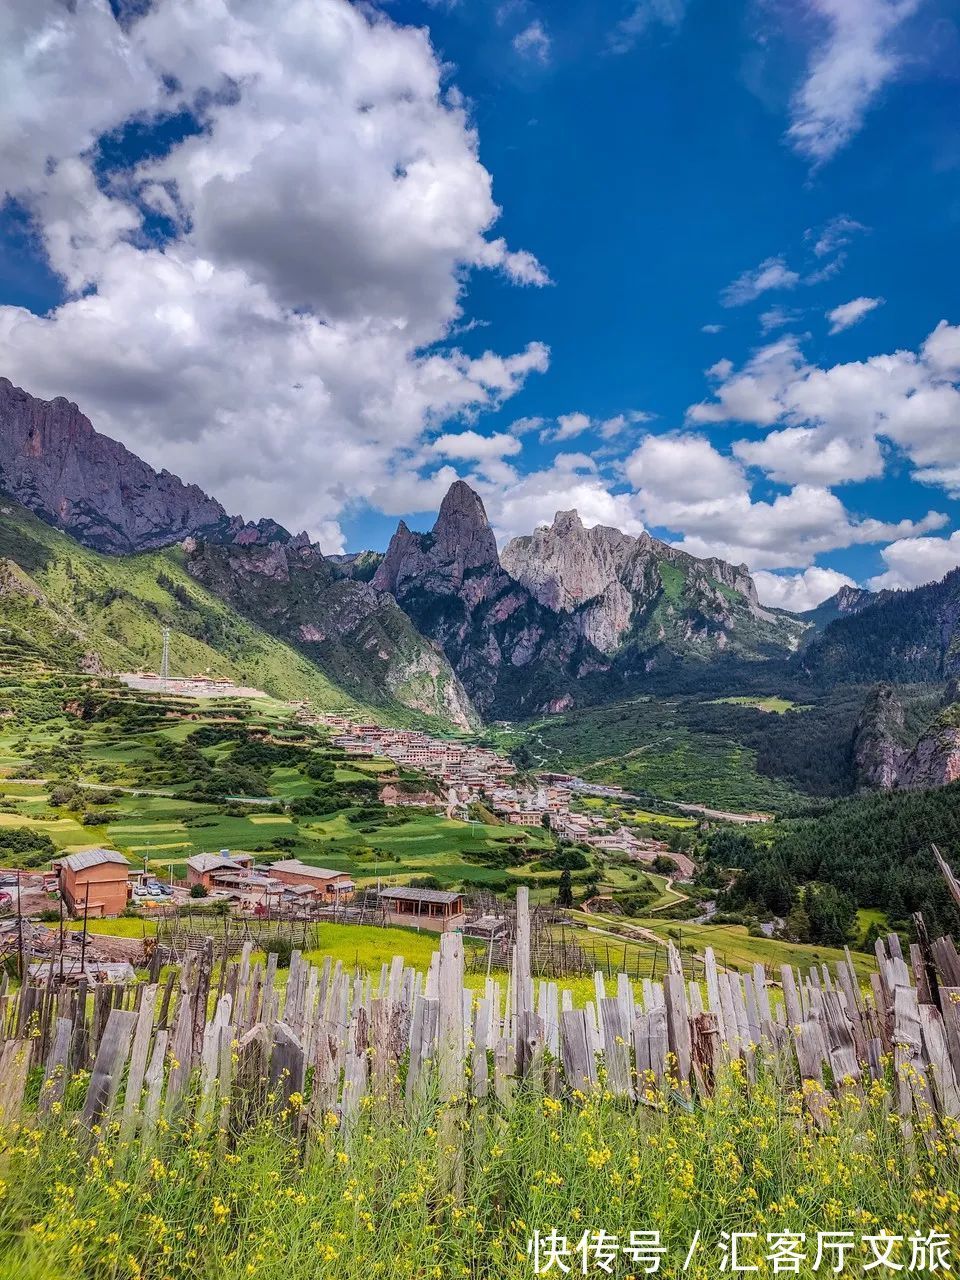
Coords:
289,282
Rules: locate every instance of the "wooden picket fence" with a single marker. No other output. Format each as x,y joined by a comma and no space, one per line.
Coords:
224,1041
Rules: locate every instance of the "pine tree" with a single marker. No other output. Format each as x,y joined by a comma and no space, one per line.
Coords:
565,890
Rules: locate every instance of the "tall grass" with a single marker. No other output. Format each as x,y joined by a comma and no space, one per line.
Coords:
387,1201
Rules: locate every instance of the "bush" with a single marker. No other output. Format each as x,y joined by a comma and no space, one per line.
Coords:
565,860
25,847
633,902
281,947
198,891
65,798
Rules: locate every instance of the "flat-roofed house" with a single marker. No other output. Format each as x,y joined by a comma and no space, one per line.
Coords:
437,909
202,868
331,886
96,881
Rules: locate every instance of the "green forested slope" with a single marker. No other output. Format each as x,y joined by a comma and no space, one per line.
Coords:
874,849
63,606
909,636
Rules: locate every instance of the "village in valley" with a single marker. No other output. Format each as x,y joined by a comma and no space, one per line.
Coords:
443,777
466,773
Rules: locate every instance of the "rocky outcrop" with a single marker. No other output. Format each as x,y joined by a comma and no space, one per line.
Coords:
878,740
842,604
353,632
643,591
55,464
883,756
514,654
567,564
935,760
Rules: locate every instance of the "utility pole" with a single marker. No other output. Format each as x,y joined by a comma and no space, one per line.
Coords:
20,929
165,659
83,940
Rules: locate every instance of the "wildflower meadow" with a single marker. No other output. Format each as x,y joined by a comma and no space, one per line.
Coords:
461,1188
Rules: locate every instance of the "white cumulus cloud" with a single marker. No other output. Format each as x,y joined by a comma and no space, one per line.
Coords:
287,344
834,423
684,484
910,562
474,447
851,313
799,591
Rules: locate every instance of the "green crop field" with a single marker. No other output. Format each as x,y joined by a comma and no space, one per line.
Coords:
775,704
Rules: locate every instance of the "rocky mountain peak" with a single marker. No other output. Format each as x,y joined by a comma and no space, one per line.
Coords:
849,599
460,546
565,564
54,463
462,532
566,522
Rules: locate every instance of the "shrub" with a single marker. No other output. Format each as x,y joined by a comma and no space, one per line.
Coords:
281,947
198,891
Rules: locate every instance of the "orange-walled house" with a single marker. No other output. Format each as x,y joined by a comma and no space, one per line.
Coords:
96,882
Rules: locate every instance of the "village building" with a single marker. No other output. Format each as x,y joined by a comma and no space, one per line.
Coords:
95,882
204,868
331,886
436,909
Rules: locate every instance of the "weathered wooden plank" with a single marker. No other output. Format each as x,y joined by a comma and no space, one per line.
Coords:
108,1066
57,1067
579,1061
138,1062
678,1025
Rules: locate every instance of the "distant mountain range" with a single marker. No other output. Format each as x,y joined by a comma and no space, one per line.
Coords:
441,625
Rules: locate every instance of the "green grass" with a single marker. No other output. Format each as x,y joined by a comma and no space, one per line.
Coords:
774,704
673,581
867,917
122,927
736,949
379,1206
118,605
368,947
647,747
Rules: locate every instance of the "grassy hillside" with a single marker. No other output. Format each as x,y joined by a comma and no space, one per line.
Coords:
64,607
723,754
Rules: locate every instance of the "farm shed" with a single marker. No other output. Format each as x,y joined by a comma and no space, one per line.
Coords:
438,909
